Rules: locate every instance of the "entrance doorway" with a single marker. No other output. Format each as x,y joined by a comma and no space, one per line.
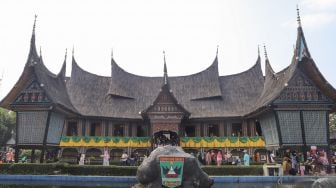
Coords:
163,138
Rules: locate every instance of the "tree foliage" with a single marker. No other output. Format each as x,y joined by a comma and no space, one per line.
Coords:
7,124
332,121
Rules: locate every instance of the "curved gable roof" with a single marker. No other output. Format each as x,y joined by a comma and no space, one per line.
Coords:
204,84
94,95
53,85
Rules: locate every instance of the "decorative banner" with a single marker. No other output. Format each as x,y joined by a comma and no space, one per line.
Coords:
145,142
171,171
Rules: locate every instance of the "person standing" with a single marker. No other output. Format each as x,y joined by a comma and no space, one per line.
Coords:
272,156
124,158
246,158
208,158
106,158
9,156
219,158
286,165
82,159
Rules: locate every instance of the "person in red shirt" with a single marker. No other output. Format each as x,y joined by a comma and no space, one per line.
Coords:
219,158
9,156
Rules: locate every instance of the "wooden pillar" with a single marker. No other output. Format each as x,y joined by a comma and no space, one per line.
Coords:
252,127
110,129
106,132
303,130
126,132
16,154
205,129
87,128
198,129
130,129
32,157
17,148
244,128
65,128
44,147
80,127
83,127
221,128
328,134
229,128
135,129
103,128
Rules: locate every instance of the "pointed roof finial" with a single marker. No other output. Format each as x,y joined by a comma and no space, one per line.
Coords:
298,15
33,50
265,52
165,74
40,51
34,24
217,50
164,61
66,53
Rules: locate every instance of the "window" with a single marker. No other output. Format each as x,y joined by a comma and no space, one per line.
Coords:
30,97
36,99
319,95
141,131
213,130
236,129
72,129
189,131
118,130
258,129
95,129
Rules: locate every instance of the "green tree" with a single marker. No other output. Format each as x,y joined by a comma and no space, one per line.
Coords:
332,121
7,124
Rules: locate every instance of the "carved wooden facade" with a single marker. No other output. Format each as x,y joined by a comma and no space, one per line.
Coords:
301,89
32,94
165,114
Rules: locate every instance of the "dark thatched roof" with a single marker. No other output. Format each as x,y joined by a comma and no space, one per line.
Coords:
53,85
275,83
204,94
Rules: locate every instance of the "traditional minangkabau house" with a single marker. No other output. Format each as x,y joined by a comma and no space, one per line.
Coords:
87,113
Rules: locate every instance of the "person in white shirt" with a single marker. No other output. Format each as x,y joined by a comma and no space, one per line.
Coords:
272,158
124,158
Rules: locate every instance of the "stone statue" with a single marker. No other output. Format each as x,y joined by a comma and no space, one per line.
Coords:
149,172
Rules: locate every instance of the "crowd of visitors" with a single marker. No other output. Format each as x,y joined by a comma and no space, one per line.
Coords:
7,157
313,163
216,157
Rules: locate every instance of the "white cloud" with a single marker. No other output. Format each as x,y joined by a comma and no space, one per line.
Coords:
318,19
315,14
324,5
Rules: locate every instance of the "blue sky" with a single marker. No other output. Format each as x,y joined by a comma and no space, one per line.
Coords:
189,31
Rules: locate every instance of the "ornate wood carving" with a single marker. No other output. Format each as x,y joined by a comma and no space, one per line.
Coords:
32,94
165,114
301,89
